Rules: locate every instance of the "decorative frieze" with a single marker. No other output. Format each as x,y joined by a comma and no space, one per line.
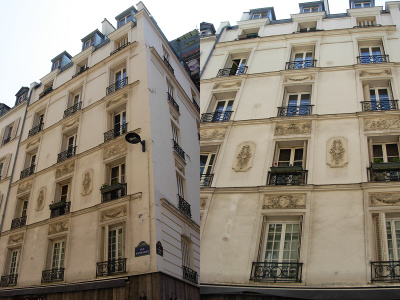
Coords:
376,72
114,101
293,128
15,239
226,85
41,199
24,186
212,134
33,143
71,124
298,78
384,199
244,157
113,213
336,152
58,227
284,201
386,123
87,182
65,169
115,149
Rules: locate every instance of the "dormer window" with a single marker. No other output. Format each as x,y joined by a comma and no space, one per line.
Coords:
310,9
88,43
260,16
126,16
56,64
362,4
123,21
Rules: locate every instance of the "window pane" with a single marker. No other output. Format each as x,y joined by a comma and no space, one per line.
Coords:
298,154
305,99
377,151
284,155
383,94
392,150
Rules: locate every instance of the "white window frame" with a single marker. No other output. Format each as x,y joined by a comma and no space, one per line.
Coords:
121,173
299,95
310,9
115,228
121,42
58,260
165,54
208,166
180,185
13,265
187,252
292,155
362,4
257,16
384,151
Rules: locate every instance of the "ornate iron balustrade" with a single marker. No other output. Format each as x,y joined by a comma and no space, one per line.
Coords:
206,179
59,209
66,154
179,150
232,71
189,274
35,130
80,71
287,177
380,105
73,109
9,280
301,110
18,222
388,271
117,85
173,102
169,65
111,267
67,66
46,92
301,64
372,59
7,140
114,191
218,116
53,275
276,271
386,172
184,206
120,48
115,132
103,43
196,105
27,172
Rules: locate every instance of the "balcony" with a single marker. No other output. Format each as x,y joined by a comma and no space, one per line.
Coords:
111,267
247,36
117,131
113,191
300,64
184,206
46,92
120,48
27,172
83,69
169,65
53,275
368,25
276,272
179,150
71,151
232,71
189,274
385,271
218,116
380,105
372,59
172,101
389,171
35,130
206,180
302,110
59,209
196,105
18,222
292,175
73,109
117,85
9,280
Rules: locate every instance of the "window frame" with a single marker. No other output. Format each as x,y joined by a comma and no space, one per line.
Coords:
311,9
385,157
362,4
61,255
10,261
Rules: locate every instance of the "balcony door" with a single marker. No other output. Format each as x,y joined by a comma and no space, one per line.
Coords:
380,98
14,261
371,54
223,110
119,123
298,104
238,66
385,152
64,193
57,261
118,174
115,245
303,60
290,157
393,238
120,77
206,167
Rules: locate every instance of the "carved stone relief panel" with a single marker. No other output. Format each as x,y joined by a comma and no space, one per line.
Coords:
87,182
299,78
227,85
212,134
15,239
115,149
58,227
113,213
386,123
65,169
293,128
375,72
70,124
41,199
384,199
336,152
24,186
116,100
244,157
284,201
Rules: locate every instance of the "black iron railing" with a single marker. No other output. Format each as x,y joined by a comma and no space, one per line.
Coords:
206,179
189,274
18,222
73,109
380,105
80,71
59,209
173,102
35,130
276,271
103,43
301,110
117,85
71,151
179,150
115,132
113,191
388,271
120,48
247,36
168,65
372,25
27,172
232,71
384,172
6,140
67,66
9,280
218,116
111,267
53,275
301,64
372,59
46,92
287,177
184,206
196,105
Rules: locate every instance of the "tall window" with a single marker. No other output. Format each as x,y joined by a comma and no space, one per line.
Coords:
238,66
115,243
64,193
118,174
222,111
175,134
303,59
165,54
385,152
120,78
119,121
58,254
180,186
380,98
186,259
14,261
371,52
206,167
298,104
290,157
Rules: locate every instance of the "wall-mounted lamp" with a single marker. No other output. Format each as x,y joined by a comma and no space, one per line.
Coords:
142,296
134,138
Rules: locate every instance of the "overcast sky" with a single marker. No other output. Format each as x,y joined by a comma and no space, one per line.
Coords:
34,32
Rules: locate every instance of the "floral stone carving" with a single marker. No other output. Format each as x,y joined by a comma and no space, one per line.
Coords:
384,199
387,123
113,213
65,169
25,186
244,157
14,239
336,152
115,149
293,128
284,201
87,182
58,227
212,134
41,199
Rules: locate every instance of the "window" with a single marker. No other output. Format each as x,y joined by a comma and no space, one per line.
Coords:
58,254
386,152
8,134
290,157
308,27
55,262
120,78
14,261
20,213
115,249
165,54
119,120
38,121
186,253
378,96
88,43
222,111
310,9
187,260
371,52
117,174
385,158
303,59
121,42
56,64
237,65
68,147
20,99
259,16
297,101
4,163
361,4
175,134
115,185
62,202
207,161
366,22
180,186
30,163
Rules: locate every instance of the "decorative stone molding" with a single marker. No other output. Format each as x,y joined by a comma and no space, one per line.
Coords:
180,167
115,149
203,202
212,134
227,85
112,102
336,152
387,123
70,124
244,157
65,169
24,186
87,182
293,128
15,239
299,78
175,115
33,143
113,213
284,201
384,199
41,199
376,72
58,227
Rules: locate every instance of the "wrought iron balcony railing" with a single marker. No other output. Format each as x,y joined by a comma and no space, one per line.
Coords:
380,105
9,280
387,271
117,85
189,274
73,109
6,140
372,59
276,271
115,132
71,151
80,71
53,275
179,150
218,116
168,65
232,71
301,64
206,179
27,172
389,171
113,191
196,105
59,209
368,25
111,267
301,110
287,176
35,130
173,102
46,92
184,206
18,222
120,48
